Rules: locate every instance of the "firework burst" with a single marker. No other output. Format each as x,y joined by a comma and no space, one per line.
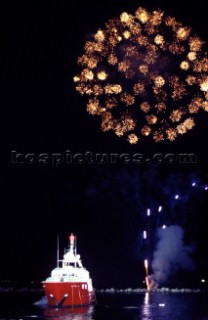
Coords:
145,76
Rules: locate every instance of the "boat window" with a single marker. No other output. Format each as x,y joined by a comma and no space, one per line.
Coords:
72,264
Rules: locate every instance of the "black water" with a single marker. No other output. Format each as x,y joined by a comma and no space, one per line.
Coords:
109,306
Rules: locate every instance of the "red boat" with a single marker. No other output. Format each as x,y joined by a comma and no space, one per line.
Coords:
69,285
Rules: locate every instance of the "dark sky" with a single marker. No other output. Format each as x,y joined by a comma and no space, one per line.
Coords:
104,204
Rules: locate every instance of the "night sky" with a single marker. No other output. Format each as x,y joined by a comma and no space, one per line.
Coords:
103,204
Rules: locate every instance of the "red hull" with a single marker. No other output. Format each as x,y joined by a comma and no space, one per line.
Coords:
68,294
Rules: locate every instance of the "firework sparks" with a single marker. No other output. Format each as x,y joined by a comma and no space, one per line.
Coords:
145,235
159,265
145,107
132,138
204,84
148,212
159,81
146,266
150,283
147,283
146,131
120,72
160,209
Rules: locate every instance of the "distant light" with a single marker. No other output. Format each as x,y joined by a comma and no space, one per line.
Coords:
145,235
206,188
148,212
203,280
194,184
164,226
160,209
162,305
176,196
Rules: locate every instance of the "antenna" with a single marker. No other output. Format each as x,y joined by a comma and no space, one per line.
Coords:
75,251
57,253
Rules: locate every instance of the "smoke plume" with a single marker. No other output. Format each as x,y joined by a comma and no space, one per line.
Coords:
171,254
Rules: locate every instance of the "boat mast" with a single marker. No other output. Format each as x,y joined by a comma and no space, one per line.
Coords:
57,253
72,247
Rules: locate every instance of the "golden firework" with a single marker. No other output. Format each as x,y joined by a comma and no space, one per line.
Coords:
191,80
143,68
159,40
183,33
128,99
159,81
142,15
113,89
177,114
192,55
133,139
171,134
145,107
160,107
146,75
146,130
158,136
100,36
97,90
151,119
184,65
112,59
139,88
204,84
111,103
93,106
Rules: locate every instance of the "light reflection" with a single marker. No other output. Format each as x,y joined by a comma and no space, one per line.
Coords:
146,313
146,298
162,305
77,313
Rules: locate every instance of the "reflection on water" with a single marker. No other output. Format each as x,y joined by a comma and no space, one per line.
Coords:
163,306
117,306
172,306
82,313
146,314
145,306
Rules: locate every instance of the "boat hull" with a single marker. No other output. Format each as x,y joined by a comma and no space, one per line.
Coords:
68,294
